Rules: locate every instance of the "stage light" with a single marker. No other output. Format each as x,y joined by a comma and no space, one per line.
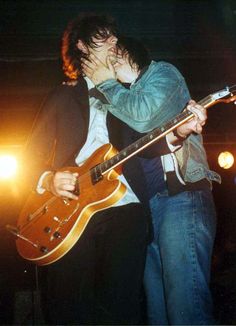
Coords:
226,160
8,166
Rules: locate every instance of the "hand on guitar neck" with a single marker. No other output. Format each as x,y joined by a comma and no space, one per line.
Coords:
193,125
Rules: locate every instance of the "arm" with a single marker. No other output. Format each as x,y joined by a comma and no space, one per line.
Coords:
52,144
38,152
174,140
143,108
159,95
149,103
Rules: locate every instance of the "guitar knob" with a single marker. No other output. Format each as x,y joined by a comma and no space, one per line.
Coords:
44,249
57,235
47,229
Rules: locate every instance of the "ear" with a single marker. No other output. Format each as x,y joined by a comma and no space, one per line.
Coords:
82,47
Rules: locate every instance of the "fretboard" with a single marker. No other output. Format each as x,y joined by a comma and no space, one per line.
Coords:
149,139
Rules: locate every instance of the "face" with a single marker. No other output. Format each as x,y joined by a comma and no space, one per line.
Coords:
104,47
124,71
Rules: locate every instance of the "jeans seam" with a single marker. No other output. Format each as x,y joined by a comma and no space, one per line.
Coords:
194,257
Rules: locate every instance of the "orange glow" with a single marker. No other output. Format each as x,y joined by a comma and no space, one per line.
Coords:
226,160
8,166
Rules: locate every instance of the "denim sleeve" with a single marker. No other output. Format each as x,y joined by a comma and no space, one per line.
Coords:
155,98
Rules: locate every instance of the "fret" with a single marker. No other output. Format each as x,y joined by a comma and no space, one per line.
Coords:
206,101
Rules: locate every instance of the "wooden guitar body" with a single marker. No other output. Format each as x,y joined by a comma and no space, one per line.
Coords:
48,226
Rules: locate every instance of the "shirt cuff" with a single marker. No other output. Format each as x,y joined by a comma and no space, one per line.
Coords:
172,147
40,190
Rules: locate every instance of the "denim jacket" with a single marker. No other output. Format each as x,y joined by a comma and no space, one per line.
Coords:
159,95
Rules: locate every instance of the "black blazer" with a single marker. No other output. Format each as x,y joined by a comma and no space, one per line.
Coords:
60,131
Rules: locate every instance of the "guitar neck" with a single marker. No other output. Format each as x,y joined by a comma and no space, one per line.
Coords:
150,138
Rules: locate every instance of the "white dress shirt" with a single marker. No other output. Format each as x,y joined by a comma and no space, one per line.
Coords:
98,136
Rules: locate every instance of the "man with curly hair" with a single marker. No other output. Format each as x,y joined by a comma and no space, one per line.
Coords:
99,280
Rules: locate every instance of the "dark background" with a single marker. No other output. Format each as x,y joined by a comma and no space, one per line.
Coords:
199,37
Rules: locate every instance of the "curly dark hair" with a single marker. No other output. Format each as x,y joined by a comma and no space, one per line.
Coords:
84,28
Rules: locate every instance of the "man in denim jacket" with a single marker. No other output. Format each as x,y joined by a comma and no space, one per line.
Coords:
179,258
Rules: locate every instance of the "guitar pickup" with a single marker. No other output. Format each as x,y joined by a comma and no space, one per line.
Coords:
96,175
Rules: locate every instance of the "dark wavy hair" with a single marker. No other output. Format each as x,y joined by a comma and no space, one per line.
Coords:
138,54
83,28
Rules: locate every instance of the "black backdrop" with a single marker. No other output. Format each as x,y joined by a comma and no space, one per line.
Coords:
199,37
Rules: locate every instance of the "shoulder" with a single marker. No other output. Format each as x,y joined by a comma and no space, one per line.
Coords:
165,69
70,87
57,93
67,92
159,72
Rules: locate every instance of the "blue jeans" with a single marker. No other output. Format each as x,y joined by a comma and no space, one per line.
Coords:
178,262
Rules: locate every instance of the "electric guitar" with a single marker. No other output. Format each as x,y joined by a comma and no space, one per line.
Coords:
49,226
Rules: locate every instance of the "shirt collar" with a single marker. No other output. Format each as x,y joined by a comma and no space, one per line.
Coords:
89,83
